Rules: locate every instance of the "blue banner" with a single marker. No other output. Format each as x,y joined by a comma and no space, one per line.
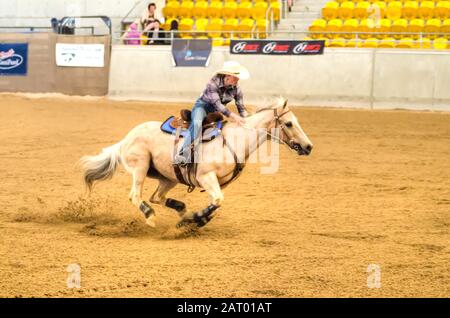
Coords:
13,59
194,52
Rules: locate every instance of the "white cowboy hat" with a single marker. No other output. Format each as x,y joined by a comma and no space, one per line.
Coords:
233,68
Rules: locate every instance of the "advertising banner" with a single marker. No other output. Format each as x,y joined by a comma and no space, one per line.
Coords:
80,55
193,53
13,59
267,47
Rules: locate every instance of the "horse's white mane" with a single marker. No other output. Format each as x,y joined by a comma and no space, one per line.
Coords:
271,103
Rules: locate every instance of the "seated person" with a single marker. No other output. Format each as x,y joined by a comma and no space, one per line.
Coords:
151,23
132,36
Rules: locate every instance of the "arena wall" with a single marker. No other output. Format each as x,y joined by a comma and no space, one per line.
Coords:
367,78
44,76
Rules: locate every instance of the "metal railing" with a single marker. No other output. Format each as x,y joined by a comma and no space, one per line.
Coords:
359,38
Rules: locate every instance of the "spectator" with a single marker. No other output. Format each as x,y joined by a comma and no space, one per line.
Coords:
151,23
132,36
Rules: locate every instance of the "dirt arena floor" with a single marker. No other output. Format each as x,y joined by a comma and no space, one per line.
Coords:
376,190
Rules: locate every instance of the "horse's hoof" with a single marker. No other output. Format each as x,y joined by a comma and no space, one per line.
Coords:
184,223
150,221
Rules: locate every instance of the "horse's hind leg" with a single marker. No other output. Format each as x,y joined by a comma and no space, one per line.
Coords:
138,165
210,183
159,197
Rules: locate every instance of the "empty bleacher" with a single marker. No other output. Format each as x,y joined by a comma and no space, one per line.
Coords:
222,19
385,24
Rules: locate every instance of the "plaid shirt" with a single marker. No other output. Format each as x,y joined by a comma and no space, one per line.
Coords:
217,95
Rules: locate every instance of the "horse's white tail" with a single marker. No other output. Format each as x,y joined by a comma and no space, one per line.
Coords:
100,167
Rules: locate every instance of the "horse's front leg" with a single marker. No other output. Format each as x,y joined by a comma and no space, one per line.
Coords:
211,185
159,197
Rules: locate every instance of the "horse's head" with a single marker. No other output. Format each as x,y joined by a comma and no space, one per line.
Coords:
291,133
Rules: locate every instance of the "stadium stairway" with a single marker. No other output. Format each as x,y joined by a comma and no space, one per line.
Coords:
303,13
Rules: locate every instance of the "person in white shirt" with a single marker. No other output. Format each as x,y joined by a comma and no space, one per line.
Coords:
151,23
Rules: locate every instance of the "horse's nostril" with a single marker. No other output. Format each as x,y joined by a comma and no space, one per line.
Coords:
309,147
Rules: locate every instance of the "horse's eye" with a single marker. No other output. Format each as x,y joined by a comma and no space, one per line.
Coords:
288,124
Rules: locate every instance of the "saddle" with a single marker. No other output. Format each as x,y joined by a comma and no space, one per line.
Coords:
212,125
185,119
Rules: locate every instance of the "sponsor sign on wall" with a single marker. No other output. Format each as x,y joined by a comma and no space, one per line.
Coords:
13,59
265,47
191,52
80,55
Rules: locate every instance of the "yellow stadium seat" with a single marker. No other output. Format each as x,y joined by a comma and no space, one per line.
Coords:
244,10
166,25
362,10
199,10
365,26
394,10
214,10
185,10
410,9
258,11
200,26
384,26
441,43
350,25
229,10
334,25
186,24
432,26
214,28
370,43
327,41
337,42
424,43
275,10
144,39
261,28
230,26
345,11
445,27
400,26
330,10
405,43
353,43
318,25
171,9
416,26
442,9
218,42
378,10
426,10
387,43
245,27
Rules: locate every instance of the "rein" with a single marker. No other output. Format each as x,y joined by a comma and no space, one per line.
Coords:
278,122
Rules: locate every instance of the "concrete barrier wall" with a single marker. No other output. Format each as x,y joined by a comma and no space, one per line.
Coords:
341,77
44,76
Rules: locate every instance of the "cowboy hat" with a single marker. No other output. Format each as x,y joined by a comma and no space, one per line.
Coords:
235,69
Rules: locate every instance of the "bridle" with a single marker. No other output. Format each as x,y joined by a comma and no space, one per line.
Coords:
278,123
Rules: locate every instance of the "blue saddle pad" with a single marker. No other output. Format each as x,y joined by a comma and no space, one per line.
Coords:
208,134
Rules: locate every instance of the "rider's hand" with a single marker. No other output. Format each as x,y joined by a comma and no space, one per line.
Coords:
238,119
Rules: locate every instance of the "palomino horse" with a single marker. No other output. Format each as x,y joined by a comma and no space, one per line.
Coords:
148,152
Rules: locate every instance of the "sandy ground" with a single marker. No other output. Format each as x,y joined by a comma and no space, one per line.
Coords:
376,190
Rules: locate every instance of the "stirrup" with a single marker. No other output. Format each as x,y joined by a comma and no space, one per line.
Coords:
180,160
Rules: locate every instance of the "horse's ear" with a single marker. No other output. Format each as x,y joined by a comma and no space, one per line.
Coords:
285,103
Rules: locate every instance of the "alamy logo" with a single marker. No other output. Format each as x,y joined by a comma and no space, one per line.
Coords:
10,60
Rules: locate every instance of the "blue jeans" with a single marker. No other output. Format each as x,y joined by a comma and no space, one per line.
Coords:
198,114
